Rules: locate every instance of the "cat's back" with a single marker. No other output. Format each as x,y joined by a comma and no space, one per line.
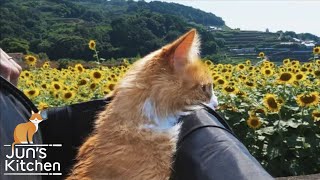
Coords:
23,126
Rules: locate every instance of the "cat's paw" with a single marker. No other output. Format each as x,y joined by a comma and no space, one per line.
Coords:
31,142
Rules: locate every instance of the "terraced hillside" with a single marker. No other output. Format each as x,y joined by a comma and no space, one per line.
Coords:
247,44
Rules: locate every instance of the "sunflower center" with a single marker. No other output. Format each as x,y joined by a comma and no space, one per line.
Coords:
92,86
308,99
80,68
268,71
67,95
32,92
254,122
111,87
97,75
285,77
229,89
249,84
272,103
220,81
57,86
82,82
299,76
317,73
316,114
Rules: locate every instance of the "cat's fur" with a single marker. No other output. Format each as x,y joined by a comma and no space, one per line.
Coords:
135,136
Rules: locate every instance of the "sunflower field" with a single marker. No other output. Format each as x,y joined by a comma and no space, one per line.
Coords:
273,109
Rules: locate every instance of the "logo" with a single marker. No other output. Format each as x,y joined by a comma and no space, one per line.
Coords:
27,158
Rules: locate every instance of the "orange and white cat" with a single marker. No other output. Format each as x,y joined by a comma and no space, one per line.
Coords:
135,136
23,133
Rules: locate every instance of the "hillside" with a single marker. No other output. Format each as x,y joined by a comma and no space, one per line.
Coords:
277,46
62,28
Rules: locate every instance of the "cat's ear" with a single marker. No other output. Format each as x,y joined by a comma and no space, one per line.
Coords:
39,112
184,50
32,112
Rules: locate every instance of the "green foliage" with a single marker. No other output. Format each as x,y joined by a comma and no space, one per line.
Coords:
62,29
15,45
288,143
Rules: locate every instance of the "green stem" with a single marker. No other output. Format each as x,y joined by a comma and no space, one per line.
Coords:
302,128
281,136
96,54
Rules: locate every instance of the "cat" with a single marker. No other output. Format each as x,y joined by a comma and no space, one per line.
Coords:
135,136
23,133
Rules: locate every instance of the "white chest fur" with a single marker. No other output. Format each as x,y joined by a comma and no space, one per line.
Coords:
168,124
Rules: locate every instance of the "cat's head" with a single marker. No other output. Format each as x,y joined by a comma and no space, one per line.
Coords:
36,118
172,78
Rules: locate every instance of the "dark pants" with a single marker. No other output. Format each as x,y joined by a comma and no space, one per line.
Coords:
207,147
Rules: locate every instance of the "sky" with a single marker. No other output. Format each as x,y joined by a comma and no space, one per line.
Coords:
287,15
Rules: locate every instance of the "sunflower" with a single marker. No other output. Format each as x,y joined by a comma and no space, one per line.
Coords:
260,110
96,76
286,61
30,83
109,87
93,86
241,67
281,101
308,99
254,122
267,71
271,103
220,81
230,89
46,65
32,93
92,45
261,55
241,94
316,50
44,85
208,63
316,73
68,95
216,77
30,60
56,86
42,106
304,69
248,62
286,78
316,115
295,63
300,77
82,82
250,83
79,68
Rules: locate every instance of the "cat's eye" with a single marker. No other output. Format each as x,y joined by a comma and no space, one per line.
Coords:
203,87
206,87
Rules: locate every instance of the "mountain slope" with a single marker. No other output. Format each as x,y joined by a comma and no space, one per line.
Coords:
62,28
